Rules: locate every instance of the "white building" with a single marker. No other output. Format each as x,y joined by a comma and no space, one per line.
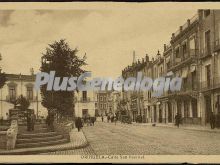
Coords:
16,85
85,103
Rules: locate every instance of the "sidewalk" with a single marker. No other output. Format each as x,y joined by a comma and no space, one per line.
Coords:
182,126
77,140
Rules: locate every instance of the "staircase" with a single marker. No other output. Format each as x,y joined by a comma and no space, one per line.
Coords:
38,138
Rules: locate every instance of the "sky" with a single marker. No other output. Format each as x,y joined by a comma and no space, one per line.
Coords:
108,37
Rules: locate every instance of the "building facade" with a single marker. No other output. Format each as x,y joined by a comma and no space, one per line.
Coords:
85,103
17,85
193,55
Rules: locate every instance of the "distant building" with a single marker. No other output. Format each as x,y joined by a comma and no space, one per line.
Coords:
104,102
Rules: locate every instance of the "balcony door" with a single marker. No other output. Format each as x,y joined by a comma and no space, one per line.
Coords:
208,75
208,108
207,42
84,95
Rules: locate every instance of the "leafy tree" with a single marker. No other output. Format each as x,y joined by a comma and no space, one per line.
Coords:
59,57
2,76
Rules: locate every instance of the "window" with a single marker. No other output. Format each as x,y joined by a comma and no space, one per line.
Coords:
194,108
104,106
177,52
207,43
206,13
100,98
84,93
218,103
186,109
85,112
101,106
208,76
12,93
30,93
185,84
194,80
184,50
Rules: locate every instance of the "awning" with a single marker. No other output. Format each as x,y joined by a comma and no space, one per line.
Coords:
184,73
192,68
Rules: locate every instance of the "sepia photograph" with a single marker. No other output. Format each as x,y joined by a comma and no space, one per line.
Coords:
110,82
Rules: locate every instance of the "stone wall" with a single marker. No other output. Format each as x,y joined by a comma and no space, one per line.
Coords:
8,138
63,128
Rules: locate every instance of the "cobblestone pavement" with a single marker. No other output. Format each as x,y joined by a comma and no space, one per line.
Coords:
108,138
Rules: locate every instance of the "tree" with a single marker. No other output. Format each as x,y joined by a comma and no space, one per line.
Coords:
2,76
59,57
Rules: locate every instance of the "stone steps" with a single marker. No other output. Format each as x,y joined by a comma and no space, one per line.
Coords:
39,139
35,135
41,144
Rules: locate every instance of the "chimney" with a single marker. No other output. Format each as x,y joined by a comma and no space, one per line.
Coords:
147,58
32,71
181,28
173,35
134,57
188,22
164,47
158,54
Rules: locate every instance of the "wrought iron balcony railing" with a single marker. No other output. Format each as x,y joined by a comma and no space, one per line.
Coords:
84,100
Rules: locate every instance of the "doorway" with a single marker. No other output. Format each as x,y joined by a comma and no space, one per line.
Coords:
208,108
169,113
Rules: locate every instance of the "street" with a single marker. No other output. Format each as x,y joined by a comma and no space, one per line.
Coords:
108,138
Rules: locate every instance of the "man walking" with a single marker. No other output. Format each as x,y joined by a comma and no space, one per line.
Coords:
177,120
102,118
78,123
212,120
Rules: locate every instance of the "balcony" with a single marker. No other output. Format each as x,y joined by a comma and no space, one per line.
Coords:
205,85
33,99
206,52
188,58
210,84
217,45
11,99
85,100
187,87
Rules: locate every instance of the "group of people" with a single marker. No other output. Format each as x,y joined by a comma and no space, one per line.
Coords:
31,118
110,118
80,122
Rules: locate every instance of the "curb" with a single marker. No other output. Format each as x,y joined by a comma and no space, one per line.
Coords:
31,151
184,128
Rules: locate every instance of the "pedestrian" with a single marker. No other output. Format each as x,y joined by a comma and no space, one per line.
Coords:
51,121
102,118
177,120
78,123
112,118
7,117
212,120
33,119
93,121
108,118
28,122
115,119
